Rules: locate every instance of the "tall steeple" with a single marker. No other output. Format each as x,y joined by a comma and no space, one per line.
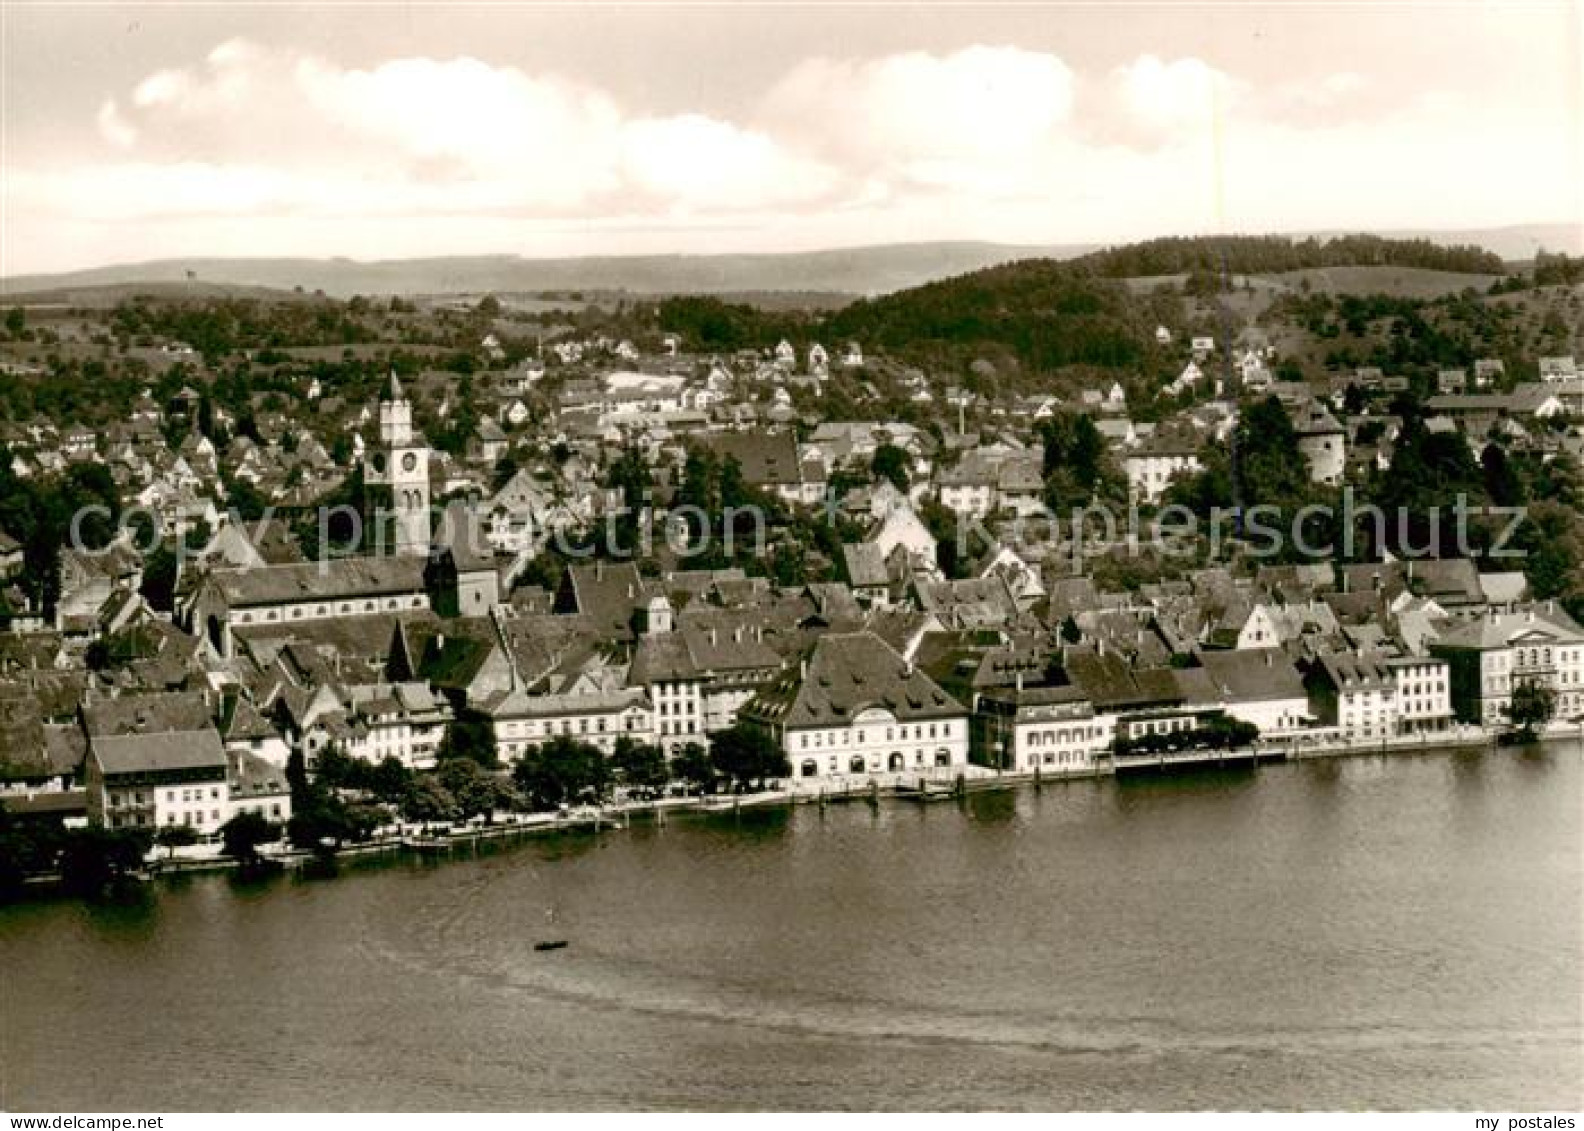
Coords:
401,463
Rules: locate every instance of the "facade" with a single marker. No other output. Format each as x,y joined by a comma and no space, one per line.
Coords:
401,463
1356,694
857,707
599,717
1153,465
1491,655
158,778
1039,729
1424,694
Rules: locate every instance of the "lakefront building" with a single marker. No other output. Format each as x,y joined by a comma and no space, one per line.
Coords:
856,706
1492,654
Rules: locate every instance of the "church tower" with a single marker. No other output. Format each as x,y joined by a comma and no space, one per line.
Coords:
401,462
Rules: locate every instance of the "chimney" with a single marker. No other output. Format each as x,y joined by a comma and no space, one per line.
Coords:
1020,682
737,635
803,671
440,642
712,636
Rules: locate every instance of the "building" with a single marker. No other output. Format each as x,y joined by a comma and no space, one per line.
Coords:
857,707
1356,693
158,778
596,716
1492,654
1259,686
1322,441
1049,729
400,463
1153,464
1424,694
339,587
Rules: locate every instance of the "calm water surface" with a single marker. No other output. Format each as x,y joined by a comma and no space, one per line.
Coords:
1341,934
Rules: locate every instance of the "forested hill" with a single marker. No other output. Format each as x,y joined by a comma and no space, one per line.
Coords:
1268,255
1047,314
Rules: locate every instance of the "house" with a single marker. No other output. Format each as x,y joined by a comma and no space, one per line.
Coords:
1154,463
1558,368
154,780
1424,693
1322,441
1488,656
901,528
1356,693
856,707
1048,729
769,461
598,716
1259,686
489,441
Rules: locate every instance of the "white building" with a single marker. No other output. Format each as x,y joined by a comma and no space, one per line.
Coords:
599,717
1424,693
1489,656
857,707
1356,694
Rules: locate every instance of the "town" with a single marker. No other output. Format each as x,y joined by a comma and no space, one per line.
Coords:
286,573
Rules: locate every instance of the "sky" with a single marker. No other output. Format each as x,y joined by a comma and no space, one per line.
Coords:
369,130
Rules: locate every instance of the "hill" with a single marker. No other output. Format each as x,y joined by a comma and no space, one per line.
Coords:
843,271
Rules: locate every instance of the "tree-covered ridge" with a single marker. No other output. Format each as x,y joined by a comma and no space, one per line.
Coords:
1049,314
1268,255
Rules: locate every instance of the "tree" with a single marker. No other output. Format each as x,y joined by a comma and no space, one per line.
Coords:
639,765
692,765
477,791
890,462
173,837
15,321
470,735
1532,706
242,835
747,756
561,771
95,859
426,800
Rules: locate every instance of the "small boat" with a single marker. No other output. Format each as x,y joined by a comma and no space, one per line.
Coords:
551,944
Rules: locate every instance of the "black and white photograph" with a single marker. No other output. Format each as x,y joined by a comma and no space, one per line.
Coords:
855,557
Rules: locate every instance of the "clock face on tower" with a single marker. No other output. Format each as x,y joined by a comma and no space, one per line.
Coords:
409,461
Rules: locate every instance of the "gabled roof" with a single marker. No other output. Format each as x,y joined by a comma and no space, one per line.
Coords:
160,751
328,580
848,674
148,714
1252,675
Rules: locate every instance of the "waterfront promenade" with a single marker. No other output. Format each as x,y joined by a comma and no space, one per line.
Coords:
927,784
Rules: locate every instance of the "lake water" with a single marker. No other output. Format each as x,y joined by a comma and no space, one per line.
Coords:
1360,933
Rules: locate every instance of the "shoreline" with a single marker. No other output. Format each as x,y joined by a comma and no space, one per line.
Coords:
942,784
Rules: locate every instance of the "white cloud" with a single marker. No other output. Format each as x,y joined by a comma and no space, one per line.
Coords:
295,153
919,112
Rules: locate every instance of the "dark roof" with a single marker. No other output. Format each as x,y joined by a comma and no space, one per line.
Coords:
167,750
332,579
607,593
847,674
148,714
767,459
1252,675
